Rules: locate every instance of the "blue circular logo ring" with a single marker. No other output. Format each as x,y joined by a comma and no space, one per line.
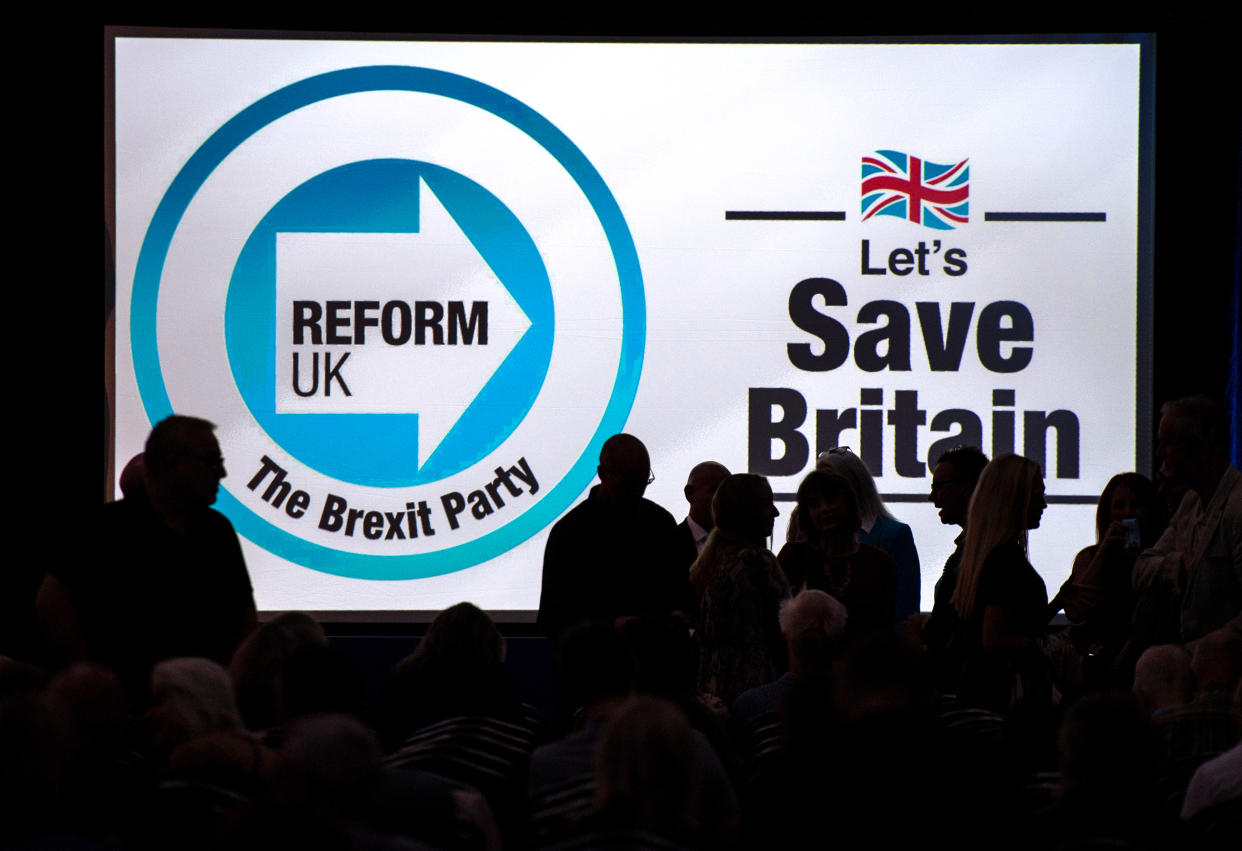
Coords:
223,142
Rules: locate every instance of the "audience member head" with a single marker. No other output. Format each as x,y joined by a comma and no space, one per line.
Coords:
744,512
1008,500
700,489
257,668
184,465
624,470
91,700
1193,444
646,770
826,508
1131,496
1217,660
330,767
827,504
1163,677
190,697
883,676
812,623
953,481
846,464
460,636
134,477
743,508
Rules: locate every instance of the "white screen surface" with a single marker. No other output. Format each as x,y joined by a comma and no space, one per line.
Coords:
674,240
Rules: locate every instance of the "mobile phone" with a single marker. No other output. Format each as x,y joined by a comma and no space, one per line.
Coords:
1133,541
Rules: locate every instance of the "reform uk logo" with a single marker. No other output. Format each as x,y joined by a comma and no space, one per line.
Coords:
412,303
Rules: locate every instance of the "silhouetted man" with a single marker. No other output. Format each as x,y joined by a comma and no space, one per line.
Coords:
159,573
611,556
700,487
1200,555
953,482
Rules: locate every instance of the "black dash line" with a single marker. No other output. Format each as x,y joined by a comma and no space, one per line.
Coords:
1045,217
786,215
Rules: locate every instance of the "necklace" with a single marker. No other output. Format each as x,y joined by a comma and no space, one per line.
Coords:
831,574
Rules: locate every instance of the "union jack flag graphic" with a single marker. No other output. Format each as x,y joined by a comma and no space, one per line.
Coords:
926,193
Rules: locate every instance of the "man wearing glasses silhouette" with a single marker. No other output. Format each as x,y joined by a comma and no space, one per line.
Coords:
611,556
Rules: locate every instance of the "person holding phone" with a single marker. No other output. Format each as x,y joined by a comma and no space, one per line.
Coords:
1098,598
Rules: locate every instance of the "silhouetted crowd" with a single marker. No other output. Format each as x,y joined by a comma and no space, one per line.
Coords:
710,693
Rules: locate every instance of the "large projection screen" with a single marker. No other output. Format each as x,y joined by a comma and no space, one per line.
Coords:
416,284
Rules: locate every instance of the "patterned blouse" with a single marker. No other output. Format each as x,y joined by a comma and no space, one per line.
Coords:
739,633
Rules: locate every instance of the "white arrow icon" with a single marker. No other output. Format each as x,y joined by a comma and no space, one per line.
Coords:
434,280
